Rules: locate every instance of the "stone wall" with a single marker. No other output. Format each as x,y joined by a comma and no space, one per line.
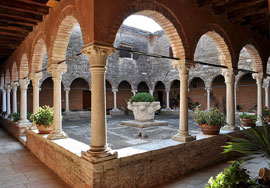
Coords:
141,166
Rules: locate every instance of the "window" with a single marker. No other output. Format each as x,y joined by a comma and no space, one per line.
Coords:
126,54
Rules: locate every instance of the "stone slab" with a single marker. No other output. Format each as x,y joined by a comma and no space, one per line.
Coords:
141,124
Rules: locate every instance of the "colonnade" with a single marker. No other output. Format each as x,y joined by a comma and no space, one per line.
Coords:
98,55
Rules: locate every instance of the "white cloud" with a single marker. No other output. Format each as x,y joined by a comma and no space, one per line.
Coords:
142,22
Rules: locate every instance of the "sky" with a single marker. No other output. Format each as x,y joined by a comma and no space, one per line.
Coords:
143,23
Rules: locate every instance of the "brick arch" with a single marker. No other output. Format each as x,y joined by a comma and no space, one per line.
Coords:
81,78
14,72
200,77
130,83
254,52
162,15
155,83
171,82
213,79
23,67
68,18
39,49
2,77
238,78
222,42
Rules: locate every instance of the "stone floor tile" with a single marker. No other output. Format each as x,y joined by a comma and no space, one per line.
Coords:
46,184
6,170
11,180
39,175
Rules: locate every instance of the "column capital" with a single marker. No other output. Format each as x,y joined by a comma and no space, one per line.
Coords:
24,83
57,70
168,90
98,54
35,77
8,88
229,75
258,77
134,90
114,90
14,85
208,88
183,67
67,89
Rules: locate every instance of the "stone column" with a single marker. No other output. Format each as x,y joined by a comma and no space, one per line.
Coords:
8,88
208,90
99,151
134,91
168,100
35,77
266,88
115,99
235,98
57,71
259,80
14,97
67,99
151,92
230,103
183,133
4,99
23,103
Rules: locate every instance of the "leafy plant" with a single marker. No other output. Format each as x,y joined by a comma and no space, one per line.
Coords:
142,97
256,141
244,115
266,111
15,116
233,177
44,116
211,117
239,108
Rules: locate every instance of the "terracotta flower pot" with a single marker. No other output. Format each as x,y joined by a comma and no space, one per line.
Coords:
44,130
247,122
267,118
210,129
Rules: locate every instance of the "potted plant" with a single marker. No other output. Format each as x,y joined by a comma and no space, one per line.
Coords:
248,120
43,119
143,106
266,114
210,121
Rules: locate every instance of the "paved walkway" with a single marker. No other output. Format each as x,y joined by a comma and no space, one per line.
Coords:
19,168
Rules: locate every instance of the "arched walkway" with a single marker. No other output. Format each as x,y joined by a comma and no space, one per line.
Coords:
175,94
160,94
197,93
123,95
142,87
109,96
79,95
218,93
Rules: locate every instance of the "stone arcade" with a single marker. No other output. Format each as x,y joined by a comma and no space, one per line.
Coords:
192,34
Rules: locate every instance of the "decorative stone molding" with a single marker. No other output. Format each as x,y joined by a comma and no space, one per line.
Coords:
24,84
97,54
183,68
57,70
229,75
258,77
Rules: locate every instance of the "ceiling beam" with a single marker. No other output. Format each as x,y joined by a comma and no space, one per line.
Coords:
35,2
5,24
19,14
234,17
24,7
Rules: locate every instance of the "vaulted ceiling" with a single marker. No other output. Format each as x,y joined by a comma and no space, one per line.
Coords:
17,18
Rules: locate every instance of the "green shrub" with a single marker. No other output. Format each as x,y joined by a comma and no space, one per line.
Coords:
142,97
244,115
233,177
44,116
15,116
211,117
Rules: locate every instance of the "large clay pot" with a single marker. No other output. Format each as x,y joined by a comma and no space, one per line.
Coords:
144,111
247,122
210,129
44,130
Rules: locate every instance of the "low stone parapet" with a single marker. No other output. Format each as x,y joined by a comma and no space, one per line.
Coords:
138,166
13,128
77,115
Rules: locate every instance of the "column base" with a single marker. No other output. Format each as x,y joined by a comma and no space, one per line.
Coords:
33,127
183,138
24,123
99,156
259,122
230,128
57,135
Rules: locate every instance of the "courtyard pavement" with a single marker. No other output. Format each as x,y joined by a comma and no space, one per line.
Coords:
19,168
124,136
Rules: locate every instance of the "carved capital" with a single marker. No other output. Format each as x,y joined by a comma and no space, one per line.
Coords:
114,90
97,54
229,75
24,83
258,77
183,67
57,70
35,77
14,86
67,89
8,88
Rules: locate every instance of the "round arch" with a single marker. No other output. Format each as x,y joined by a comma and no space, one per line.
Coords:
218,93
79,95
163,16
109,96
160,93
68,18
23,67
14,72
7,77
143,87
124,94
197,93
222,43
38,55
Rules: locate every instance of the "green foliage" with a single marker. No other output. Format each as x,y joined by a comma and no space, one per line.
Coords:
256,141
15,116
211,117
238,107
233,177
44,116
244,115
266,111
142,97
